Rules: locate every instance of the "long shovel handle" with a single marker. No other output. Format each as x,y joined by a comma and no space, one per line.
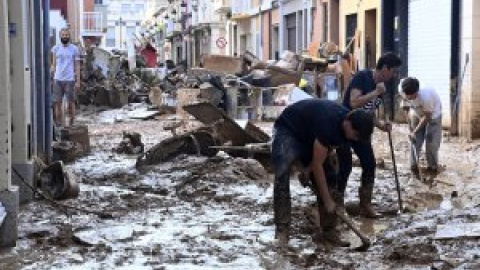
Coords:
365,241
400,203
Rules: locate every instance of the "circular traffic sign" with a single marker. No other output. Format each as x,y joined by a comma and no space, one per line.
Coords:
221,42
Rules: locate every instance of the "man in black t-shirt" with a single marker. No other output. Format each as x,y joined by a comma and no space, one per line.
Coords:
306,132
365,91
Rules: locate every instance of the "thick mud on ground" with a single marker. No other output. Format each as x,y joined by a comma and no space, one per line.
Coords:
216,213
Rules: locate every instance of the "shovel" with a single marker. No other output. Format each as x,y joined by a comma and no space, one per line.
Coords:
365,241
400,203
417,158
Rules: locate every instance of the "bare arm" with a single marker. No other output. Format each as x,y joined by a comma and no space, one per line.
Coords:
53,63
320,153
358,100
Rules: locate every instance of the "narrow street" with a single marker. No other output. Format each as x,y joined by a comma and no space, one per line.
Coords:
216,213
139,134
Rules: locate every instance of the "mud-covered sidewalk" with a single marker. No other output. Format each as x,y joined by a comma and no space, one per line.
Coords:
216,213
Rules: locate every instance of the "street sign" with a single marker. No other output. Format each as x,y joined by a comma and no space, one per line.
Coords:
221,42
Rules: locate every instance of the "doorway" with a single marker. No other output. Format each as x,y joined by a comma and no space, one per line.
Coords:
351,28
370,38
274,38
291,23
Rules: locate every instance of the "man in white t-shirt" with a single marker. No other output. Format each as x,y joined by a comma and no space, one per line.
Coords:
66,74
424,109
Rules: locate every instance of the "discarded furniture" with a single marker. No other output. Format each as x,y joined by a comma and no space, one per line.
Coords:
223,63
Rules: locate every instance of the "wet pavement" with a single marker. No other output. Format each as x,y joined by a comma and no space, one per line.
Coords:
216,213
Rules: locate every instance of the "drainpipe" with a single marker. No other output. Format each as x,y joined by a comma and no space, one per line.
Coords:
38,87
309,22
47,82
281,27
260,39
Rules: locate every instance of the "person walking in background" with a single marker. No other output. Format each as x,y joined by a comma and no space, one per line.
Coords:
66,74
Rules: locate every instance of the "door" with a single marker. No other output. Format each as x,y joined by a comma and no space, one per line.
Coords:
370,38
429,47
351,27
291,23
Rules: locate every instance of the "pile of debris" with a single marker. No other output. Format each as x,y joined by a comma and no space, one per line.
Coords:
108,81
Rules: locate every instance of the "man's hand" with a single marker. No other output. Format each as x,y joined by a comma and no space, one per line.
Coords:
380,90
77,86
411,137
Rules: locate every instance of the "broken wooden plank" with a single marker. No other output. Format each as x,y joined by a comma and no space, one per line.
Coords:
228,129
455,231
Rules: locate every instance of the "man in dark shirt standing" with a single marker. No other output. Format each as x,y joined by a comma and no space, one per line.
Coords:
365,91
306,132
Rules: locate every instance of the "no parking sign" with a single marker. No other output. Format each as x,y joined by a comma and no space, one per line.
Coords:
221,42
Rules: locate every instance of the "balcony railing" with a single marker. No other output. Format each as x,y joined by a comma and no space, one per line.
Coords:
241,9
222,5
173,28
92,24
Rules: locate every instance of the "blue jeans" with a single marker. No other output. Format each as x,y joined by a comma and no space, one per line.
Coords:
431,134
287,150
364,151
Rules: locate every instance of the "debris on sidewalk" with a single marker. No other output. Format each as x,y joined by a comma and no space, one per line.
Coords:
131,144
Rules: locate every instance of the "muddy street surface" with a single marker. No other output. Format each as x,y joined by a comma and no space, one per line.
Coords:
217,213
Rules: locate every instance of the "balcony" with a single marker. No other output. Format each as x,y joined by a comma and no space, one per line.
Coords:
222,6
92,24
173,28
240,10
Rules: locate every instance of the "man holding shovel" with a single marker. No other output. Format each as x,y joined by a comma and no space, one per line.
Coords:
424,113
365,91
304,135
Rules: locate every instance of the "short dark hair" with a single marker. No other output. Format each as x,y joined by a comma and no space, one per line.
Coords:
389,60
410,86
362,122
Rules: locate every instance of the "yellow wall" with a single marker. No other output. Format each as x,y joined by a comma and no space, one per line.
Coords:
348,7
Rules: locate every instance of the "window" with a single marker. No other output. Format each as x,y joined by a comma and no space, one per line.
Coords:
98,2
130,31
126,7
110,37
139,7
325,22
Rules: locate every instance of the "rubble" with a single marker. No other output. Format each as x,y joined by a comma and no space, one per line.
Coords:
131,144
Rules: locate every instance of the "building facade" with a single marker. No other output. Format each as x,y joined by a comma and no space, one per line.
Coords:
124,19
469,70
361,20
